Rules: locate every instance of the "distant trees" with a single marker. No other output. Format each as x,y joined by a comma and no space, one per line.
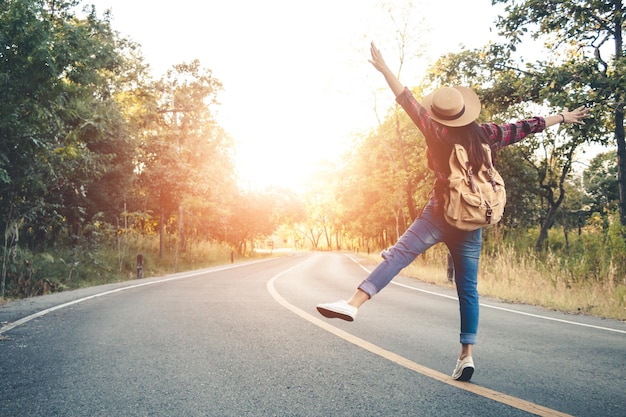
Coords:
384,181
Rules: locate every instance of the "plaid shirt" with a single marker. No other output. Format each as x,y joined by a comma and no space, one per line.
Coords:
498,136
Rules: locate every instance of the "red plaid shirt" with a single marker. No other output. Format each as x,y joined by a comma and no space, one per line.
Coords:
498,136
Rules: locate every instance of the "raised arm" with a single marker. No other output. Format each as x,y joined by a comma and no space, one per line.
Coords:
379,63
574,116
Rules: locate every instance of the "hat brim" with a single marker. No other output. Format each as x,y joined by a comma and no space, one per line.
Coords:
472,108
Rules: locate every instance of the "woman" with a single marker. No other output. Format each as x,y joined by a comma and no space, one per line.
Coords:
445,117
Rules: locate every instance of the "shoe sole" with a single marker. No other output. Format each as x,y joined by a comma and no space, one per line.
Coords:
334,314
466,374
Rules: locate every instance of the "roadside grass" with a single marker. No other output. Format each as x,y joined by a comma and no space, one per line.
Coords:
62,269
198,254
525,279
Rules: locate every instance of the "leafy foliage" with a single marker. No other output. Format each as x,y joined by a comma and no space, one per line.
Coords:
594,70
601,183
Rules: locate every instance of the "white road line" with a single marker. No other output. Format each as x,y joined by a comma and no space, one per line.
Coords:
33,316
508,310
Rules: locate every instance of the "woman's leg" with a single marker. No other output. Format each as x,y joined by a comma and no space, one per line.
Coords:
425,231
358,298
466,351
465,248
421,235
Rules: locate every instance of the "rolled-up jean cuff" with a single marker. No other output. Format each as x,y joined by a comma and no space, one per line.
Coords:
468,338
368,288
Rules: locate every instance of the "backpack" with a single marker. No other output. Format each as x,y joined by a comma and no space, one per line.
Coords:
473,199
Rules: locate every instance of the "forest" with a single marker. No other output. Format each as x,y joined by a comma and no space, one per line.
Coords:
101,162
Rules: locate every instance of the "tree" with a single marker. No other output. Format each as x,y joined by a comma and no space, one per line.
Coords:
61,132
252,217
595,29
374,179
399,148
184,153
553,169
64,132
601,183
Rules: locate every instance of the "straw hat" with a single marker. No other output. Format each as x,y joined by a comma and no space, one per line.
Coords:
452,106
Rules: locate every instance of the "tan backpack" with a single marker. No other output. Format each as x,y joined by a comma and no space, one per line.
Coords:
474,199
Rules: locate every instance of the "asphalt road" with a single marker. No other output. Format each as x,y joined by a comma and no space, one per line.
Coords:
246,340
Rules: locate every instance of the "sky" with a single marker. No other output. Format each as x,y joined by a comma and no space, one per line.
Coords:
297,84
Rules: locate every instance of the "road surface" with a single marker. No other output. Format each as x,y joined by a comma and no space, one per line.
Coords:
246,340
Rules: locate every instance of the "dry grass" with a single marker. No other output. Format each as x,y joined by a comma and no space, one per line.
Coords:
523,279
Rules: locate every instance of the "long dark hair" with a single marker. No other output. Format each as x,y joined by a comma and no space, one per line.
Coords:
472,138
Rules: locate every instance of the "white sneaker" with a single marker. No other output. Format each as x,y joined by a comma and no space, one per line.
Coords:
338,310
464,369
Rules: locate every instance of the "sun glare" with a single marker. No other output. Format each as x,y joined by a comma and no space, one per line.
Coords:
297,84
286,159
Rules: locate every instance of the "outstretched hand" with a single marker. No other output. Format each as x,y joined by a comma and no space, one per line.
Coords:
576,116
379,63
377,58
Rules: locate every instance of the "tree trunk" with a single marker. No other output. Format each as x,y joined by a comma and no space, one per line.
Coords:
619,117
621,161
181,229
162,233
566,229
543,233
551,214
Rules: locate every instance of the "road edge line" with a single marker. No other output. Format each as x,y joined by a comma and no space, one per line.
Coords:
184,275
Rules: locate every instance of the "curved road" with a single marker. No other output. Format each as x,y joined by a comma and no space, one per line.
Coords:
246,340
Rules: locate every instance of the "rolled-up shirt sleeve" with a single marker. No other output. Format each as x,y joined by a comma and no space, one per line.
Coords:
507,134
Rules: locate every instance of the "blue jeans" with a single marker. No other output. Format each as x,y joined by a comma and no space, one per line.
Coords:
428,229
